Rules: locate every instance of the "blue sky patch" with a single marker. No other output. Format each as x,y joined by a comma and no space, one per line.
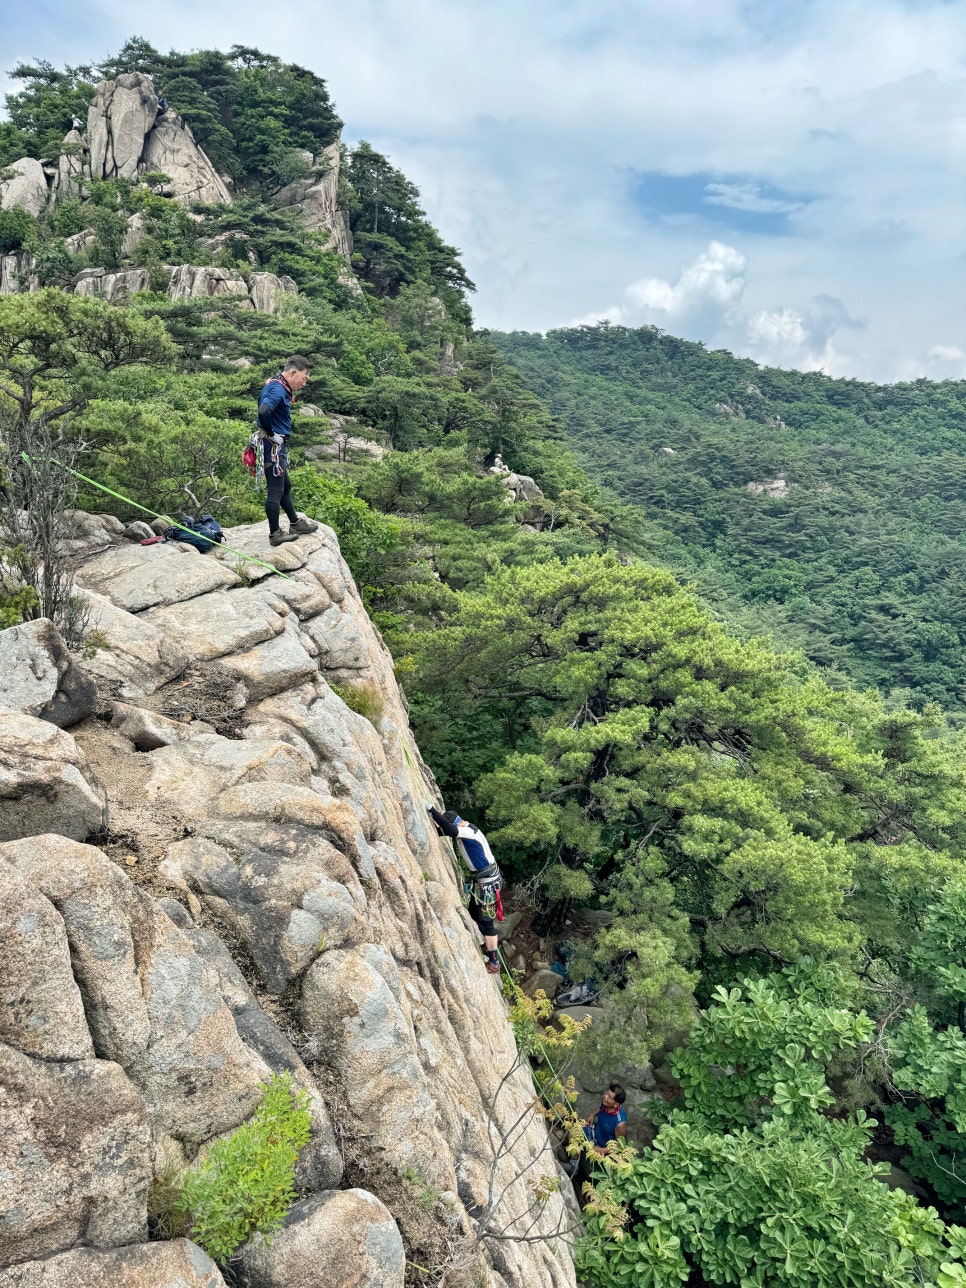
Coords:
732,203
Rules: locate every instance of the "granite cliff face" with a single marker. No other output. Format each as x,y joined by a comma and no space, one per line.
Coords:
222,870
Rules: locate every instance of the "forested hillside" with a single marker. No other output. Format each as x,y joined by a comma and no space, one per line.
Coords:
854,549
772,858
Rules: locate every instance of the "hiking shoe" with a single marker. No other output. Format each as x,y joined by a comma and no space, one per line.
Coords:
278,537
493,968
303,526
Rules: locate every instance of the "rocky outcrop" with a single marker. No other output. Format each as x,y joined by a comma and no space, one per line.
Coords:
268,291
170,149
37,675
123,112
26,188
16,273
302,890
315,201
520,486
191,282
45,782
114,287
777,488
69,179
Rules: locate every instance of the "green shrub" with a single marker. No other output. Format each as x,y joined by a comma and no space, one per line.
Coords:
246,1184
16,228
364,699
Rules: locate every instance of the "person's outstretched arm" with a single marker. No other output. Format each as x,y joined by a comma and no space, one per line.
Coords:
443,823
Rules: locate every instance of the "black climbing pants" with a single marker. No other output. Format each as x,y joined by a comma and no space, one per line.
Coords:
486,924
278,492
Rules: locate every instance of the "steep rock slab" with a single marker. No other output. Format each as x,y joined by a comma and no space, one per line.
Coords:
135,577
45,782
69,180
75,1161
38,675
170,149
153,1005
268,291
342,1239
26,188
122,113
175,1264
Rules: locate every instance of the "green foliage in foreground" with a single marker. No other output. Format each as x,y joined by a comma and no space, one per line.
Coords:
861,562
246,1183
749,1182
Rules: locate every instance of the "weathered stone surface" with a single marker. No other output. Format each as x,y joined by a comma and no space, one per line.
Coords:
152,1003
362,1246
178,1263
317,203
170,149
38,675
139,577
41,1010
147,730
285,902
45,783
268,291
220,623
136,656
122,113
16,273
545,981
341,643
115,288
74,1156
280,663
88,533
134,235
188,281
26,188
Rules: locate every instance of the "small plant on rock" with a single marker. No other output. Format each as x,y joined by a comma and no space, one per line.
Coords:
246,1184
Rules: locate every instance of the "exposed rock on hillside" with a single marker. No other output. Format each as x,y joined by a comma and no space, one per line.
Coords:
170,149
288,908
123,112
316,201
26,188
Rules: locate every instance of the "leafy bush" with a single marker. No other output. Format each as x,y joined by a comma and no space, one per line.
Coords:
365,536
17,227
749,1183
246,1184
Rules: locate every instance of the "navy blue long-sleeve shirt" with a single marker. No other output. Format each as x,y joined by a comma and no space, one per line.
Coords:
275,407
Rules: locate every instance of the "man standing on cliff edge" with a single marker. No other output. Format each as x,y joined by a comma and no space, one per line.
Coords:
275,421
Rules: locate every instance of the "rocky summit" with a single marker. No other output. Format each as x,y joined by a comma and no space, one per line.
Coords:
217,866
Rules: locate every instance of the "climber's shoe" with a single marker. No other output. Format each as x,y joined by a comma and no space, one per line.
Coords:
278,537
303,526
493,968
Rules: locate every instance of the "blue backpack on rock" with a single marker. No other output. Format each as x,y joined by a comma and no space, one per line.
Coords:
204,532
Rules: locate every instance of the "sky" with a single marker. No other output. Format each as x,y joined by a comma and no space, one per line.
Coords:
782,179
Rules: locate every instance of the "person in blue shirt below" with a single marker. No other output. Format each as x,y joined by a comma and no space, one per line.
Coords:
608,1124
275,422
483,878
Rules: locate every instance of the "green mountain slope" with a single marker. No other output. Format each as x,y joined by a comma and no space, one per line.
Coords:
854,551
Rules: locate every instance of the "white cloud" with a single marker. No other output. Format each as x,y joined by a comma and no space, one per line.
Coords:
748,196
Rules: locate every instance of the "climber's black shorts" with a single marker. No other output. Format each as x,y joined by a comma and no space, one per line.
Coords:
486,924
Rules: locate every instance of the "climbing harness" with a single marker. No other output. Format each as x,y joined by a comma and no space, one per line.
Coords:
154,515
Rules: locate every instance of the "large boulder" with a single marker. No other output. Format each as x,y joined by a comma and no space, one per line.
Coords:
153,1005
75,1159
27,187
268,291
116,287
338,1239
69,181
38,675
45,782
178,1263
190,282
128,651
122,113
170,149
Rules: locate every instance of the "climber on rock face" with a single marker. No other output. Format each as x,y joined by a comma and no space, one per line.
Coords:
275,425
482,882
